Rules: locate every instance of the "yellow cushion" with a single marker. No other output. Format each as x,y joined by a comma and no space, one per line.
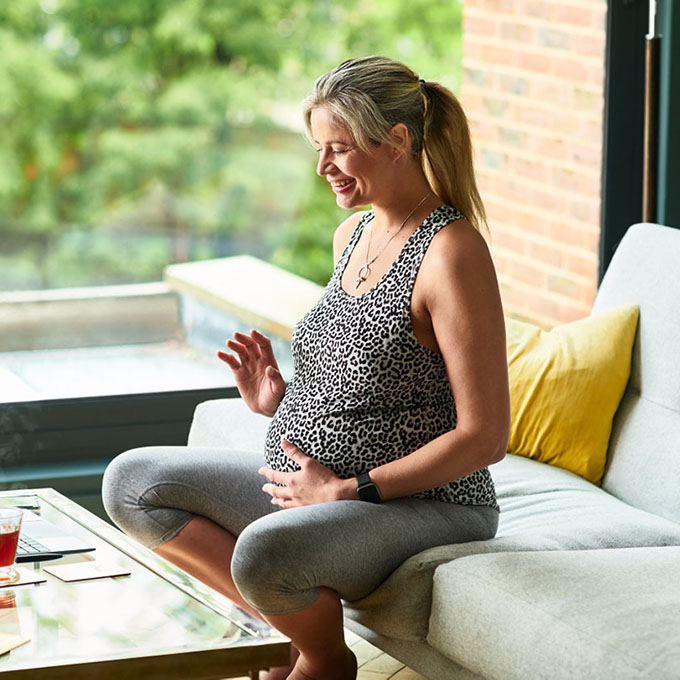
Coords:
565,386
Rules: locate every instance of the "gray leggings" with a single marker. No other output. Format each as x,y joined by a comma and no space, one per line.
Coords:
281,556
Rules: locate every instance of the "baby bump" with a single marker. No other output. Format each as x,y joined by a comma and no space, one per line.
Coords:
347,442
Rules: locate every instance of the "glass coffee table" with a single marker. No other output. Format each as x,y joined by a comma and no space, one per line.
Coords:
158,623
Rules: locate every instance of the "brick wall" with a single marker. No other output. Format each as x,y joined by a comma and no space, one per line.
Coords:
533,86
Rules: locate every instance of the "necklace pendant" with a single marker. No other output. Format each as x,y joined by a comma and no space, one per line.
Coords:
362,275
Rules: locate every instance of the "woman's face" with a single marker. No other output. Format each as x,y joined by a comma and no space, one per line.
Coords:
356,177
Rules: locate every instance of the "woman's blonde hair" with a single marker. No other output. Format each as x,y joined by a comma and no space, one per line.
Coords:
370,96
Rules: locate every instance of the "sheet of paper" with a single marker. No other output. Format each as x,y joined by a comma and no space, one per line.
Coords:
82,571
8,641
26,576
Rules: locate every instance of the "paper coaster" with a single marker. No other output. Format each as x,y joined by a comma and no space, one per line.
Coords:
82,571
26,576
9,642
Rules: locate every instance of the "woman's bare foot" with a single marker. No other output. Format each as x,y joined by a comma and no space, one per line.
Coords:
282,672
343,667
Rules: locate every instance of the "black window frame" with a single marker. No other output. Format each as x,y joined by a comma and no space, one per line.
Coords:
622,157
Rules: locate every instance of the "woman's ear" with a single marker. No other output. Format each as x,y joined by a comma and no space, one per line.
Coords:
400,140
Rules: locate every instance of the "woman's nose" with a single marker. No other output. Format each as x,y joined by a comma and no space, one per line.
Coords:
322,165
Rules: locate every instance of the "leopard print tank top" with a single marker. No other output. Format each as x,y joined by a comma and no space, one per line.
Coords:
365,391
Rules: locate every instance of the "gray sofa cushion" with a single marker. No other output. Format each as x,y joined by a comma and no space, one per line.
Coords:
606,614
645,467
544,500
542,508
228,423
644,449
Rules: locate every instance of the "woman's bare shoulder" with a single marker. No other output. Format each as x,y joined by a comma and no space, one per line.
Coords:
344,232
457,241
457,254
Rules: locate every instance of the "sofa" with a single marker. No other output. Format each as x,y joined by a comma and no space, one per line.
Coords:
581,580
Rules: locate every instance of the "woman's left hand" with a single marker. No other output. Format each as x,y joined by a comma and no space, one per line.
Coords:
313,483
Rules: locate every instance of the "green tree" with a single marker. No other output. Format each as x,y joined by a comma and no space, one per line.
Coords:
129,119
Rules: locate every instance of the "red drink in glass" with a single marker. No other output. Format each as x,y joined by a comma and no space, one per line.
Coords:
8,547
10,525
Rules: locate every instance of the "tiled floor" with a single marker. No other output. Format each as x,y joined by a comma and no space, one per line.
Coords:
375,664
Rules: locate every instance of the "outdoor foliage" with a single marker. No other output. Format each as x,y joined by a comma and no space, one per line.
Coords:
138,133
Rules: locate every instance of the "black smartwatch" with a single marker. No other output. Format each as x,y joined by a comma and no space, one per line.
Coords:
366,489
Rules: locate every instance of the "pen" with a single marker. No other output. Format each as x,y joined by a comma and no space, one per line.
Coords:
42,557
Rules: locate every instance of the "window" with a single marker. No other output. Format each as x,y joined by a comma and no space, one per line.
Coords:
137,135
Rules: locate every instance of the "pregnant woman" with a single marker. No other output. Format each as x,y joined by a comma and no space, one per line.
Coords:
378,447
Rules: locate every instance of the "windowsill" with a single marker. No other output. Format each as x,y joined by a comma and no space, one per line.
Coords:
87,317
251,290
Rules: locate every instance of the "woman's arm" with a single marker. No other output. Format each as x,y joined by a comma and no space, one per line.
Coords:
460,290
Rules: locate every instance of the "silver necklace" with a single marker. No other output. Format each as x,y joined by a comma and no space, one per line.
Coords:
365,269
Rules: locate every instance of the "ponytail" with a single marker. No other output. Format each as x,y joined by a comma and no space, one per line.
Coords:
370,96
447,154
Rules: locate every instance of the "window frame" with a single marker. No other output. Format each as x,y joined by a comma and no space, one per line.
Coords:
622,156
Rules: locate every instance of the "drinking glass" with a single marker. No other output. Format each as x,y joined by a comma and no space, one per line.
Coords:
10,525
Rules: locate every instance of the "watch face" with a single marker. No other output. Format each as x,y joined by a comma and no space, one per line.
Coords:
368,491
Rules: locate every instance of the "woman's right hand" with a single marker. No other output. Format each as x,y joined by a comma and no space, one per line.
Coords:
256,372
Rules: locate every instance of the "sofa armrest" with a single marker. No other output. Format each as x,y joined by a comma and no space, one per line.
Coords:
228,423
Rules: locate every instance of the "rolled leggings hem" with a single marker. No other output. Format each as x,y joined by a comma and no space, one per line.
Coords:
295,610
170,534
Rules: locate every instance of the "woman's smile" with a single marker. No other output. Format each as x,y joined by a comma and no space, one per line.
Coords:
342,185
